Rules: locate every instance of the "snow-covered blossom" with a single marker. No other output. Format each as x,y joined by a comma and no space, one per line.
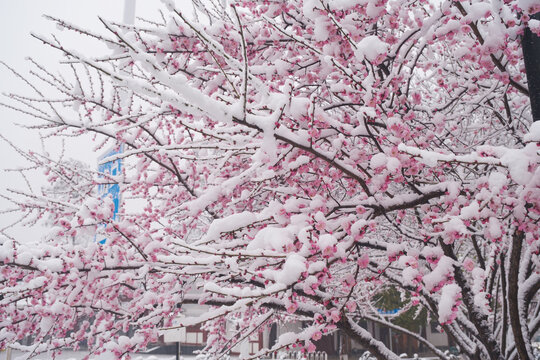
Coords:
284,161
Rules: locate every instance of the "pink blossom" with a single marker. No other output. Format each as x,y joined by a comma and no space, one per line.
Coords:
468,264
363,261
329,251
351,305
308,151
334,315
291,308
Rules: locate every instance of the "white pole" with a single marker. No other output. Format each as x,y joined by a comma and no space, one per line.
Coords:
129,11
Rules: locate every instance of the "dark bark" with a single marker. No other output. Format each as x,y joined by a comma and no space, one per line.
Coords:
513,288
478,252
479,320
531,56
504,307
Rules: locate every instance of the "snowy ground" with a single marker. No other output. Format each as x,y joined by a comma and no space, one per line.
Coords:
78,355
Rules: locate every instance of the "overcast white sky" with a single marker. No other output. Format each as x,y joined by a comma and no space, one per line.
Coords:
17,20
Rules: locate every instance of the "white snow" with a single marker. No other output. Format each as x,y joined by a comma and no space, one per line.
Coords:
393,250
520,162
320,30
370,48
341,4
496,181
393,164
409,275
281,67
494,228
534,132
450,293
378,160
534,25
327,241
271,238
454,226
482,303
294,266
230,223
299,106
527,5
308,8
443,270
470,211
54,265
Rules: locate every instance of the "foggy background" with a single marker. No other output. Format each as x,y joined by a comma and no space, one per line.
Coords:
17,20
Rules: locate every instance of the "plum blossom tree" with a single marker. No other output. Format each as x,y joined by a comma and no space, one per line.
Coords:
289,160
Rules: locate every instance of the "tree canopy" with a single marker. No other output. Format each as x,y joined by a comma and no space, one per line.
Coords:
287,160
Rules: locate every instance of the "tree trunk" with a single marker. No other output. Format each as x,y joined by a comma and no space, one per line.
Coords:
531,56
513,288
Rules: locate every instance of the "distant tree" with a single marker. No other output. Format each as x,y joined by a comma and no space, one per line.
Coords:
71,181
289,160
408,316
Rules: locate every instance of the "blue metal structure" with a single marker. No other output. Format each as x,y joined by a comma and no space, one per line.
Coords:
388,312
106,169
